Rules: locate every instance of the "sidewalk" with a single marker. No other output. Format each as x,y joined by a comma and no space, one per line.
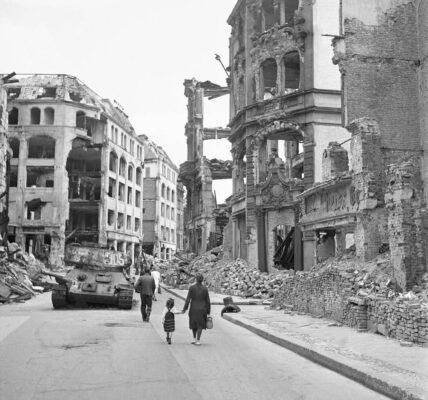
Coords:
377,362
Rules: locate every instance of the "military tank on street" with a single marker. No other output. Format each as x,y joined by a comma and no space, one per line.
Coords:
99,276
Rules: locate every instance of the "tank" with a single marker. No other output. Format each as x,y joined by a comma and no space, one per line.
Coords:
99,276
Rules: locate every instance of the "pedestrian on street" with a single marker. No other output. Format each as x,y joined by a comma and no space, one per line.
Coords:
157,277
145,286
168,319
200,308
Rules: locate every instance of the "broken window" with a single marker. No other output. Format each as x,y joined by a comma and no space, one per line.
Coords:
49,116
129,199
288,7
113,162
13,93
80,120
14,145
130,173
269,76
13,176
75,96
119,220
40,176
34,209
137,198
41,146
110,217
268,14
49,92
35,116
121,192
138,176
13,116
122,167
112,188
291,71
137,225
128,222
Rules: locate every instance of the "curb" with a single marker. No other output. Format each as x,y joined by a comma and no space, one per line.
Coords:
376,384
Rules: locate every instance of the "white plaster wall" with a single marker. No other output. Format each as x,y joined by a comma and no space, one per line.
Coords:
325,22
323,135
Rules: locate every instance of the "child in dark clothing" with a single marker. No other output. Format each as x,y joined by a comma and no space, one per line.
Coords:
168,319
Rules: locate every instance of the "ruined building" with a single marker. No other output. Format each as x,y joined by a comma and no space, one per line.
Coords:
204,219
4,160
285,108
76,169
161,203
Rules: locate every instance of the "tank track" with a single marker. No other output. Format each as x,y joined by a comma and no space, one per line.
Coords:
59,298
125,300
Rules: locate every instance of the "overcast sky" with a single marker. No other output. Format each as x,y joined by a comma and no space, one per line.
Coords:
137,52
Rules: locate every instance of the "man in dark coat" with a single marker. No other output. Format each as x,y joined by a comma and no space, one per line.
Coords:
146,287
200,308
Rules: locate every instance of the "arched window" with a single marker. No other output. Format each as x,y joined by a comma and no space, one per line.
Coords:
138,176
130,173
41,146
268,14
269,76
35,116
13,116
122,167
291,71
14,145
49,116
113,162
80,120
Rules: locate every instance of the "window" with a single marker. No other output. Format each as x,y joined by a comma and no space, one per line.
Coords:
128,222
113,162
121,192
137,198
124,141
34,210
41,146
163,233
291,71
138,176
168,173
49,116
112,133
112,188
268,14
167,235
289,7
172,196
35,116
130,173
131,146
137,225
147,172
163,170
13,176
119,220
14,145
269,72
40,176
172,236
116,135
122,167
163,190
110,217
168,193
172,213
80,120
129,200
168,212
162,209
13,116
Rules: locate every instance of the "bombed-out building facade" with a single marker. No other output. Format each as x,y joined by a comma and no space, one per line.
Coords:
75,170
328,129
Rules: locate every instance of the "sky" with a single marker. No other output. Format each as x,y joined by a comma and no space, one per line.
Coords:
136,52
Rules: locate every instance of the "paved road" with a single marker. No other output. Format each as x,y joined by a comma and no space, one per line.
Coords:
110,354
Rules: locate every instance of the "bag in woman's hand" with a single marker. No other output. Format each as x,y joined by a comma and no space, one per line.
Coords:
210,323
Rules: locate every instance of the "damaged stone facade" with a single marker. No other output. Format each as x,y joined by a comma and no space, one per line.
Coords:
204,219
4,161
380,200
285,109
161,202
76,169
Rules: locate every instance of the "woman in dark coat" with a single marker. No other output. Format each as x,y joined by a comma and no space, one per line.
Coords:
200,308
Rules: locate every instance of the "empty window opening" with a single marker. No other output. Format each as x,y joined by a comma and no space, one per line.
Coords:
111,217
113,162
112,188
120,220
49,92
34,209
13,176
325,244
137,198
291,71
80,120
138,176
49,116
41,146
288,8
40,177
130,173
269,71
137,225
268,14
128,222
121,192
122,167
75,96
35,116
13,116
14,145
13,93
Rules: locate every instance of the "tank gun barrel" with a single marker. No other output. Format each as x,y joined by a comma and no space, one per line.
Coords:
58,277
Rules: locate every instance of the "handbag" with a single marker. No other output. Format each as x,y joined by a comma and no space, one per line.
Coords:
210,323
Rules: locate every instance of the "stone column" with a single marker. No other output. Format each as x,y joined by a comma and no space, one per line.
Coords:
309,250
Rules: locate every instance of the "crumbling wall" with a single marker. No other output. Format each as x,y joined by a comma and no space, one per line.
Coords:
3,159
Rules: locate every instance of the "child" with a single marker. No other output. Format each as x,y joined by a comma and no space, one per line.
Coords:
168,319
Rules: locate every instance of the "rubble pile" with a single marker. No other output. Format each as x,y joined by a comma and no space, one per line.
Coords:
19,275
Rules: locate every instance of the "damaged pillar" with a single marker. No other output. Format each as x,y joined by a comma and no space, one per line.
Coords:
335,161
407,233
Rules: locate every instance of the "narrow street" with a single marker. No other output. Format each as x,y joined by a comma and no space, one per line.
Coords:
110,354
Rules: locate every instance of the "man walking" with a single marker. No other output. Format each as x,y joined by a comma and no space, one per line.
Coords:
157,277
146,287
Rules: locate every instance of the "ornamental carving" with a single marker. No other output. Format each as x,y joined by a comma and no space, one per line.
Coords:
276,191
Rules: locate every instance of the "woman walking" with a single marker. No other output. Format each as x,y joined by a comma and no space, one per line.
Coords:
200,308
